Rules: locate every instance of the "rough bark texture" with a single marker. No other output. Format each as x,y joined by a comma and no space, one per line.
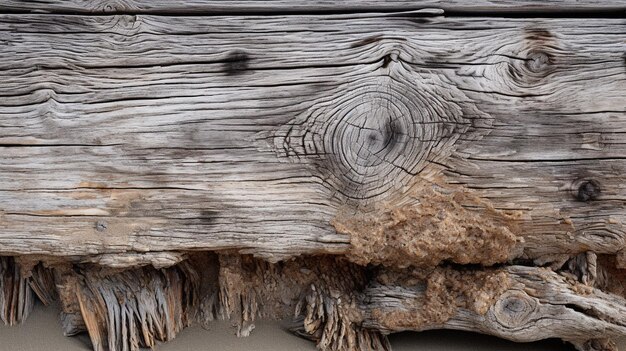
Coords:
360,167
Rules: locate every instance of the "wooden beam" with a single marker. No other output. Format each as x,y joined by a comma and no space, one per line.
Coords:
274,6
367,168
152,133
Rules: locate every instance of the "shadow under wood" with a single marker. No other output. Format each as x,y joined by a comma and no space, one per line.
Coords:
269,335
448,340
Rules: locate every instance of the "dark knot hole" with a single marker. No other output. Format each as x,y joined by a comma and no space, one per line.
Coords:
588,190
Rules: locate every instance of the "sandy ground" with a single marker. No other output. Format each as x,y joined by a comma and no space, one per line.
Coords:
43,332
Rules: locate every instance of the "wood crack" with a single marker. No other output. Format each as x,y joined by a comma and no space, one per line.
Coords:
361,172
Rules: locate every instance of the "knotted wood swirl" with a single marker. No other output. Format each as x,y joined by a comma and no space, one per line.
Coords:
373,136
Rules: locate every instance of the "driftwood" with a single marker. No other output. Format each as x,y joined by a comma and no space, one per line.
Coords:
361,168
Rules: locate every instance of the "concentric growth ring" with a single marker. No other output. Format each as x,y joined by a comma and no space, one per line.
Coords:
372,137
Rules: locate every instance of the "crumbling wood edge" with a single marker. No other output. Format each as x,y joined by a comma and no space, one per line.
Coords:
338,304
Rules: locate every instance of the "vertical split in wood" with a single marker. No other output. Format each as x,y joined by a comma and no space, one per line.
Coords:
330,317
66,283
207,308
238,297
41,281
582,267
329,308
320,293
611,277
252,288
16,295
40,277
126,310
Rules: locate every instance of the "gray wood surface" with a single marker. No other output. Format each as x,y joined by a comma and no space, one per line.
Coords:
273,6
367,168
151,133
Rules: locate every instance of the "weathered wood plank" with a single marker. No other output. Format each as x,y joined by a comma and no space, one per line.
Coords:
150,133
259,6
418,151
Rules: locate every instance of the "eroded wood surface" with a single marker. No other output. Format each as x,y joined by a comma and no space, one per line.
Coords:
146,133
338,304
275,6
362,172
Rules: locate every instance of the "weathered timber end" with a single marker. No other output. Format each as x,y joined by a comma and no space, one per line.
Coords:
361,167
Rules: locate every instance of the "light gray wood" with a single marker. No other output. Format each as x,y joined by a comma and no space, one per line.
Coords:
273,6
364,170
140,133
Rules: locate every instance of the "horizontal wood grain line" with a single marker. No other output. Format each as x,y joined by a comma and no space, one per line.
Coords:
282,7
187,134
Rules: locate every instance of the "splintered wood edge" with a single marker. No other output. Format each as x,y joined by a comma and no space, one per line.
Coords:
339,304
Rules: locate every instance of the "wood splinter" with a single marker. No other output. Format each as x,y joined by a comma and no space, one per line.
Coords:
338,304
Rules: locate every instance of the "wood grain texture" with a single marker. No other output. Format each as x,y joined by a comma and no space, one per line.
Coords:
133,309
339,304
537,304
273,6
365,168
16,296
152,133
